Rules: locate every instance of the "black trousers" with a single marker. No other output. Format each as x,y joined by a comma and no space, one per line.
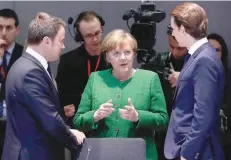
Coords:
227,152
160,138
2,135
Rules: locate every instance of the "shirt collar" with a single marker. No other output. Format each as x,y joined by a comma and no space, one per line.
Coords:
197,45
36,55
11,48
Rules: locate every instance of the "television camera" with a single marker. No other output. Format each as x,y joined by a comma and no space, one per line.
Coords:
144,28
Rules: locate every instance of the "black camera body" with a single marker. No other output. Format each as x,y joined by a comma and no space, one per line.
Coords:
144,28
160,64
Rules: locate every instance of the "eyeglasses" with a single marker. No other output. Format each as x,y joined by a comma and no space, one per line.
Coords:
91,36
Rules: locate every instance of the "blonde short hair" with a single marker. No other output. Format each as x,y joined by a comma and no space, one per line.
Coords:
116,38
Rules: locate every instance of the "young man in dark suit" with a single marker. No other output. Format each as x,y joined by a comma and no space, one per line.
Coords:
10,52
35,127
194,126
75,66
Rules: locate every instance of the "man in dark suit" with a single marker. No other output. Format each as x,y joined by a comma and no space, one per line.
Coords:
35,129
10,52
194,127
75,66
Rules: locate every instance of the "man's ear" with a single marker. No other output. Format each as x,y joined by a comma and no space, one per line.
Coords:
17,30
46,40
182,30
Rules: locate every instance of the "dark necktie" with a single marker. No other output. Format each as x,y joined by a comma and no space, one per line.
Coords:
4,64
186,58
49,70
1,109
3,76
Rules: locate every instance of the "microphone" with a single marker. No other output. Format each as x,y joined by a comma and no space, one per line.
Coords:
127,14
88,152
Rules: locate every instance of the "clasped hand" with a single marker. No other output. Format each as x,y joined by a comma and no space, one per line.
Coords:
69,110
80,136
2,47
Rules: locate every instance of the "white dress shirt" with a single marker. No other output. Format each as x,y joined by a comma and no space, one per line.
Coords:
10,51
40,58
197,45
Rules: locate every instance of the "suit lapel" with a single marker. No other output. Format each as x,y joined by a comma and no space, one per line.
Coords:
17,52
193,56
28,56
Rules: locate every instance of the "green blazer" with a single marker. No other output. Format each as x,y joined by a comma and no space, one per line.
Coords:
145,91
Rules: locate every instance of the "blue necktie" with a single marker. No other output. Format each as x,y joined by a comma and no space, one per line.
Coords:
186,58
5,57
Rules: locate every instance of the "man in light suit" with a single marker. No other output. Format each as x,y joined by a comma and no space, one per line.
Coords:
35,129
193,131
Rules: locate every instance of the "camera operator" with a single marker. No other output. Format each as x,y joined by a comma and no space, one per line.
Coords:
164,64
168,65
76,66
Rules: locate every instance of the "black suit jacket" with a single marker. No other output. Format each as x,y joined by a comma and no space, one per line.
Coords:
17,52
35,128
72,74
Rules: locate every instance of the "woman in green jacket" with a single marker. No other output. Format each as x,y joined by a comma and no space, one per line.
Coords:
122,101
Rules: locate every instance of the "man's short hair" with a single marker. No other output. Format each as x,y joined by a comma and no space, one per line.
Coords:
193,18
88,16
9,13
43,25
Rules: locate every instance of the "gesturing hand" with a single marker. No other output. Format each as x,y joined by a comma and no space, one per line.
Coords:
173,78
104,110
129,113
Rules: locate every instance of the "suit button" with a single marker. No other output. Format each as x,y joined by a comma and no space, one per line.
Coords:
118,95
117,117
116,129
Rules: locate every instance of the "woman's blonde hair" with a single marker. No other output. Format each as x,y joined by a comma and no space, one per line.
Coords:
116,38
